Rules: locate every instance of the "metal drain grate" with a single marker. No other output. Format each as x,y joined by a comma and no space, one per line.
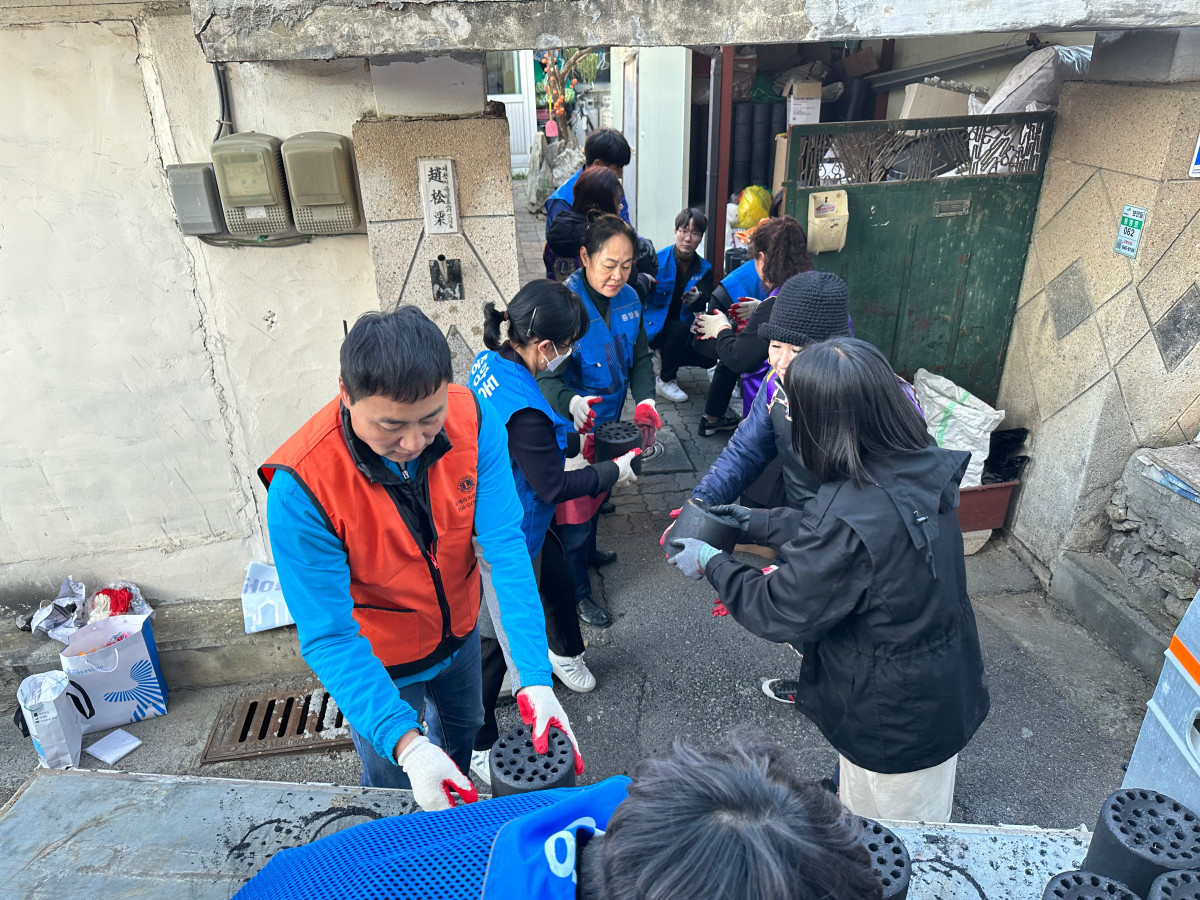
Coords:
288,721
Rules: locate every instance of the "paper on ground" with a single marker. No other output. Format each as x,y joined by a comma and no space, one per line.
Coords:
263,606
113,746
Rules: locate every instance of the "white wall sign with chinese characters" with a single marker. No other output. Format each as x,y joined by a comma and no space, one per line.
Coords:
1129,231
439,196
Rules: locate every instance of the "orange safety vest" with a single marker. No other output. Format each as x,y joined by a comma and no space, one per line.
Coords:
415,601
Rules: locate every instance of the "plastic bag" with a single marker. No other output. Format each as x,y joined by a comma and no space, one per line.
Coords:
958,420
116,598
753,204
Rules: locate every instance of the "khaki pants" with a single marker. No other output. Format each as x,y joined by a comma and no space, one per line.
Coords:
926,795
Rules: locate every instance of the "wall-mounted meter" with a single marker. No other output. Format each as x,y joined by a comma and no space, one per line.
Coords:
250,179
322,183
194,191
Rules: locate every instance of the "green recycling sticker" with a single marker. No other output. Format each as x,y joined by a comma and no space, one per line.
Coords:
1129,232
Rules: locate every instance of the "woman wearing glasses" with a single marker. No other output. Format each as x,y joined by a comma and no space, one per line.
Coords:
543,323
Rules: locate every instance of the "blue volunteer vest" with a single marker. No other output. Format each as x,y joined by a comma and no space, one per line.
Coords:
660,301
509,387
534,856
600,366
522,846
744,282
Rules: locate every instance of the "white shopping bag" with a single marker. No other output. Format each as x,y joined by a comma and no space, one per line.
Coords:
263,605
52,711
116,661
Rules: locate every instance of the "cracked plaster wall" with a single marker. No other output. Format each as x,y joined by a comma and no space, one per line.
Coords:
148,374
1105,351
293,29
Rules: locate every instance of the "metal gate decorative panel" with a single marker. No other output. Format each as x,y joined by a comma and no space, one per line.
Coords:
941,213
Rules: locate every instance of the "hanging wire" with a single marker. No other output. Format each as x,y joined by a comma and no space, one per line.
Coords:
224,116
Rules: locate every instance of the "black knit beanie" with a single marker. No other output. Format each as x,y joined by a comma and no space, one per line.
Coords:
810,307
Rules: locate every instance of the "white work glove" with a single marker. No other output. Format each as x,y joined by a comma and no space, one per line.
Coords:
582,413
708,326
434,775
742,309
625,466
540,709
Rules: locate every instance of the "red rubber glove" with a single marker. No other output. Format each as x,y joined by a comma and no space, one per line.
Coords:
645,417
540,709
662,541
719,608
589,448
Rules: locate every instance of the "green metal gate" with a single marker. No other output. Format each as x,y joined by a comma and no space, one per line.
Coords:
941,213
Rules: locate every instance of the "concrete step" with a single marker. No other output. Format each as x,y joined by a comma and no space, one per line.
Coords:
1097,595
201,643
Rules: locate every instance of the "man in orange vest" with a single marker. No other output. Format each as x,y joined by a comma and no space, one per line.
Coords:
371,507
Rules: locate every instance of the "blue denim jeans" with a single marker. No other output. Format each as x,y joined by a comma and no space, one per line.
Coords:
453,704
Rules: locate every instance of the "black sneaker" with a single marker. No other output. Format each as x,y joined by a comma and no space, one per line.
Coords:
593,613
728,422
600,558
782,690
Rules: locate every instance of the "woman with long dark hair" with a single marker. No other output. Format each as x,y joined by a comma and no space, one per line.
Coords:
542,324
780,249
598,190
870,587
613,360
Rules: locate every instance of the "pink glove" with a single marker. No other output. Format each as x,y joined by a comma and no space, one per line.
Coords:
539,708
434,775
645,417
662,541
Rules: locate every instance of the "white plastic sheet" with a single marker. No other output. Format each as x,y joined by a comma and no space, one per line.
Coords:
957,419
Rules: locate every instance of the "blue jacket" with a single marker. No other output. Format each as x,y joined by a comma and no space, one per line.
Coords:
601,365
749,450
744,282
315,575
562,199
660,301
509,387
521,846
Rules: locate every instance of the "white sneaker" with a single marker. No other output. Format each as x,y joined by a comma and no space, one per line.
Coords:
481,765
573,672
669,390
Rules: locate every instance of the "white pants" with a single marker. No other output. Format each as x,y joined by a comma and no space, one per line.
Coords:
926,795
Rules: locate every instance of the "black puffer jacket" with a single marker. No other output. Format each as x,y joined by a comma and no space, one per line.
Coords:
565,234
871,588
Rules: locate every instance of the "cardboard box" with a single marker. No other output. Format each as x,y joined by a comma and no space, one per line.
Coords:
803,102
781,158
856,65
924,101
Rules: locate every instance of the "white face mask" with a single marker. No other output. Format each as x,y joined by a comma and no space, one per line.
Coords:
559,359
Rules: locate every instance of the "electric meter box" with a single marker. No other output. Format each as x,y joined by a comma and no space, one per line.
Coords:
249,172
197,204
321,182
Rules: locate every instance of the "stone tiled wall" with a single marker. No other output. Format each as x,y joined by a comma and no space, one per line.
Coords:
387,150
1103,357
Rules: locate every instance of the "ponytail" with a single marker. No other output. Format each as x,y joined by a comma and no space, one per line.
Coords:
541,311
492,318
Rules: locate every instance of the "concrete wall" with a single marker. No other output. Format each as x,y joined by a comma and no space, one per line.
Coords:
1105,351
292,29
148,374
